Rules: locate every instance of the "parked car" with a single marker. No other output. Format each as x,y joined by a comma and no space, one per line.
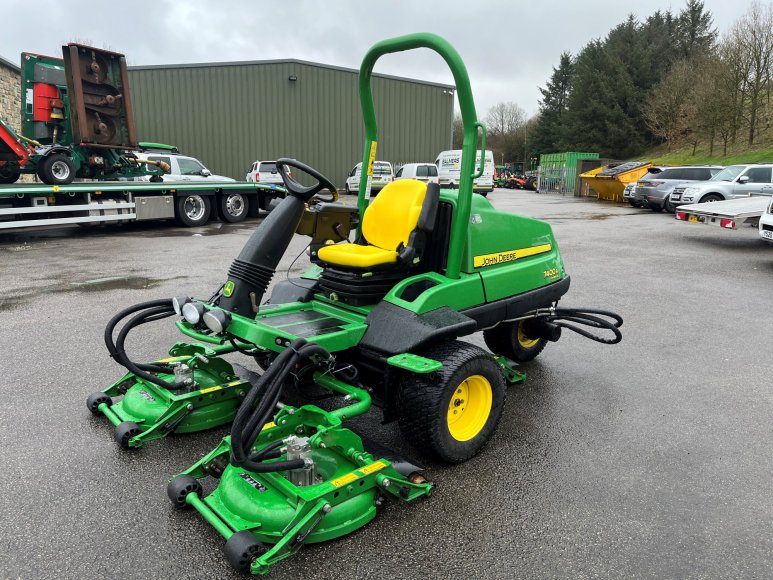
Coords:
732,181
382,175
629,194
264,172
182,168
766,224
448,166
426,172
654,189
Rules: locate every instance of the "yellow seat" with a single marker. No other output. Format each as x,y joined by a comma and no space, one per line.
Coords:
357,256
387,226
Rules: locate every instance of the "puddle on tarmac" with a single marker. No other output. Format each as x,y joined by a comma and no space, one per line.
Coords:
91,285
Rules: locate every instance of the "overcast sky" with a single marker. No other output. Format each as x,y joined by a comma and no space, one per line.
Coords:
509,47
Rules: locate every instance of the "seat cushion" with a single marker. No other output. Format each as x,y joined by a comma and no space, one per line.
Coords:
356,256
394,214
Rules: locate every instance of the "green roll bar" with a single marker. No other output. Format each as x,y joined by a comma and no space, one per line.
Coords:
461,218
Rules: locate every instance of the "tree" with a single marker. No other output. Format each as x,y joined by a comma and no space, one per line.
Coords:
668,110
753,42
504,119
458,132
549,130
694,32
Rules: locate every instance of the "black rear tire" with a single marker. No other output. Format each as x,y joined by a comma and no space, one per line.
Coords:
512,340
192,210
469,382
234,207
56,169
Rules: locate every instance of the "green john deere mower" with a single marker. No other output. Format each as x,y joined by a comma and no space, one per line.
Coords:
376,320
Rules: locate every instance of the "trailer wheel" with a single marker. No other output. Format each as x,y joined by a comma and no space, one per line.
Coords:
512,340
8,177
193,210
451,413
56,169
233,207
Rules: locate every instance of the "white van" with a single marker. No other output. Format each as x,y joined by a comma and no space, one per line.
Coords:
449,162
383,175
426,172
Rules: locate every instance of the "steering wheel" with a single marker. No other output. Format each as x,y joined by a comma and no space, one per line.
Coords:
300,191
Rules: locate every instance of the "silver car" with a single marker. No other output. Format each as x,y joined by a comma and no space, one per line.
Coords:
732,181
653,190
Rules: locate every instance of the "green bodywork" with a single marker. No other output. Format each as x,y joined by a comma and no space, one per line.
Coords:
286,516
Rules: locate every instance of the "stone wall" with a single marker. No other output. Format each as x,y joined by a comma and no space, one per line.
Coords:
10,95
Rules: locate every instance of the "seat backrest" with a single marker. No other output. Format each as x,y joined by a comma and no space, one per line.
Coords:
394,214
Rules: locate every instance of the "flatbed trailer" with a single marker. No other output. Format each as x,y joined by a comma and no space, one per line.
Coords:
98,202
729,214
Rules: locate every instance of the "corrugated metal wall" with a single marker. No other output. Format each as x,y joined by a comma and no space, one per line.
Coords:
229,116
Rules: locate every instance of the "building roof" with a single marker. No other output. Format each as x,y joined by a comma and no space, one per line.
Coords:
284,61
8,64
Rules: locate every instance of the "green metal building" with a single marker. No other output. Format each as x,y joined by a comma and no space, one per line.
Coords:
230,114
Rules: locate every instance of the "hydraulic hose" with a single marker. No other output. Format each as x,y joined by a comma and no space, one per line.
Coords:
251,418
569,318
148,312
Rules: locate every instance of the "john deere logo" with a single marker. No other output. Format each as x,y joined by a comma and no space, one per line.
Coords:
228,289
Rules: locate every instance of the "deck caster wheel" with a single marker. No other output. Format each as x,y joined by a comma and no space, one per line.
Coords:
179,487
94,400
124,432
242,549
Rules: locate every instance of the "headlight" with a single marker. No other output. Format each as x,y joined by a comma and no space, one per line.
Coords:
192,312
178,302
217,320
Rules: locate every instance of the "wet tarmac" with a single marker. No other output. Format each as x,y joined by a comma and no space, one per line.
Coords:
652,458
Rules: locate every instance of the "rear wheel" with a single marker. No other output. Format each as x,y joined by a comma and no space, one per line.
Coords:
451,413
56,169
513,340
233,207
193,210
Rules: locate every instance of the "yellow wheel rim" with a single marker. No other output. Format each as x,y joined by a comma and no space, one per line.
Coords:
523,340
469,408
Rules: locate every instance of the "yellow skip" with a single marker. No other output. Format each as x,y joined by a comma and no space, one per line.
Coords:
509,256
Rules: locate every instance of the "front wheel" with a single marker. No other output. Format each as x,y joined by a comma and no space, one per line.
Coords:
193,210
712,197
56,169
8,177
668,206
233,207
451,413
514,341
